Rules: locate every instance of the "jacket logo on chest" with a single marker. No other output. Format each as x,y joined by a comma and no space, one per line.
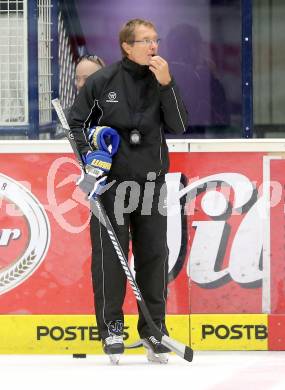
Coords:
112,96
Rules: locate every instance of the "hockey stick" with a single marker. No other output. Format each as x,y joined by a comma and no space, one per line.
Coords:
96,205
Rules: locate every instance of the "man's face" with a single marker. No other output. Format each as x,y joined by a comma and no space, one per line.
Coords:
141,51
84,69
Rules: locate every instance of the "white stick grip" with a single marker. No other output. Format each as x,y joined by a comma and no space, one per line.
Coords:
57,106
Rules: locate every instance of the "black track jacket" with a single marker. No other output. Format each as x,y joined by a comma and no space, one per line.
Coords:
127,96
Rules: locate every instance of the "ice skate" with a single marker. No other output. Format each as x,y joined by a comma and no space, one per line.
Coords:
113,345
156,352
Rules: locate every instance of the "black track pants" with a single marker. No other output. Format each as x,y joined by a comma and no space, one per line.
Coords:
149,244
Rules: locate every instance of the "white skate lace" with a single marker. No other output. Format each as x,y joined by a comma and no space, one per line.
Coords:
113,340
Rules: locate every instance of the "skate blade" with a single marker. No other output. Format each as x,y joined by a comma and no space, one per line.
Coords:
115,358
161,358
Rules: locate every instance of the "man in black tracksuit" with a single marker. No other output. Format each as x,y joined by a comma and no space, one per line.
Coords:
138,94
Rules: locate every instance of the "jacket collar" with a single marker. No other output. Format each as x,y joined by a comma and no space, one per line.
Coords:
136,70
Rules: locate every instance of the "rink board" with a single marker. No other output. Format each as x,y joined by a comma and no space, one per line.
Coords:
229,332
70,334
78,334
226,265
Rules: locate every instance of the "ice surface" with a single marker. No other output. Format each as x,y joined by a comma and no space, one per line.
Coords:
209,371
